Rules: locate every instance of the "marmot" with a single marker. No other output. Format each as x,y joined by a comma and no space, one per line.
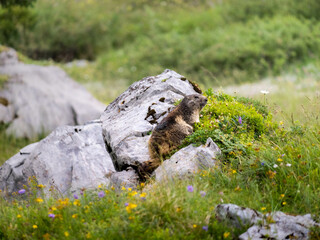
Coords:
171,131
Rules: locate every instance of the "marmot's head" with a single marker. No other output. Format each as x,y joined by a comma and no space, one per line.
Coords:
195,101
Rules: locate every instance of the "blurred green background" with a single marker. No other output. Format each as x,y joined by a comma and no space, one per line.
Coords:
213,42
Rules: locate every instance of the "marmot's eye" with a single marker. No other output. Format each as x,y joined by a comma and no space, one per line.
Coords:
196,97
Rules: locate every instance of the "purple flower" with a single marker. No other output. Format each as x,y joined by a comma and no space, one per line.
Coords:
203,193
75,196
22,191
190,188
51,215
205,228
262,164
126,204
101,194
240,120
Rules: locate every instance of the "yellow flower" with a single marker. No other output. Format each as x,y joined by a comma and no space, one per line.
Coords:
282,196
18,216
271,174
20,208
76,202
88,235
226,234
194,225
131,217
123,188
281,122
178,209
142,184
100,186
263,208
279,160
112,188
143,194
39,200
129,189
133,193
41,186
130,207
234,171
284,203
74,215
34,226
66,234
237,189
53,208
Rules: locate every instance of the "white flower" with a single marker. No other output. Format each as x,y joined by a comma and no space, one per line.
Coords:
264,91
288,165
275,165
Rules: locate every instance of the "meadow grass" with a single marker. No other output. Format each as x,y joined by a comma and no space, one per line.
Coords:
278,172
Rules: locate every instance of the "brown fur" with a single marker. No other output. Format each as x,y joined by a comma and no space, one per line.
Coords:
171,131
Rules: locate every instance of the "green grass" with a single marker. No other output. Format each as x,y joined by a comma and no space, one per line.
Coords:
168,210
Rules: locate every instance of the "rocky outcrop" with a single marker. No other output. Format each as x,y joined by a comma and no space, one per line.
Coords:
276,225
69,159
36,99
128,121
188,161
104,151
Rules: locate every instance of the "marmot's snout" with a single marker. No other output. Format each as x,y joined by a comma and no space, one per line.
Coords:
204,101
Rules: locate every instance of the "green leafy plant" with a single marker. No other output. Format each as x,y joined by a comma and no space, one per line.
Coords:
232,123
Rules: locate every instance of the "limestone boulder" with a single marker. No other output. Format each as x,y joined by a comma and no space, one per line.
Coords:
275,225
126,178
103,151
36,99
188,161
128,121
69,159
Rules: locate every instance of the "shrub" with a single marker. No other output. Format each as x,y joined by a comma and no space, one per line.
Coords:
232,124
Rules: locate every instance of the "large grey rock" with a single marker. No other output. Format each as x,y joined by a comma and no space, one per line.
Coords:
276,225
237,216
188,161
126,178
69,159
284,226
129,119
37,99
11,172
72,158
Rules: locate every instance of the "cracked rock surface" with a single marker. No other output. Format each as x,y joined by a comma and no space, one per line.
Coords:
276,225
104,151
69,159
129,119
36,99
188,161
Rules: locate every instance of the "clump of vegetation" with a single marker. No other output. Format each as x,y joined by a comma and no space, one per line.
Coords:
233,123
